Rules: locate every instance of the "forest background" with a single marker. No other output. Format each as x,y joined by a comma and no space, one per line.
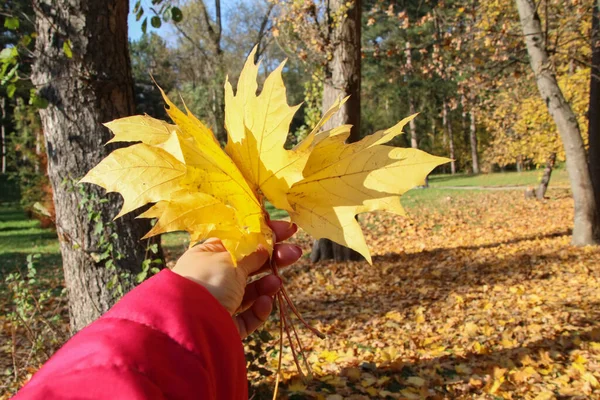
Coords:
463,65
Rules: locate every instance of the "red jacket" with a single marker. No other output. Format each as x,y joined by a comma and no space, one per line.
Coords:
168,338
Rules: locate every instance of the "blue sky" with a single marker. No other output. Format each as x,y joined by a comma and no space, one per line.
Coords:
135,27
166,31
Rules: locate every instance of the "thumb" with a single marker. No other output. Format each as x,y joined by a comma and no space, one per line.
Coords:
255,261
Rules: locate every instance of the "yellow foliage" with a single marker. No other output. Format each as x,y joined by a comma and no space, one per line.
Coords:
521,125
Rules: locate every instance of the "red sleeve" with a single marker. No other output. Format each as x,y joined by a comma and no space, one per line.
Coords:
168,338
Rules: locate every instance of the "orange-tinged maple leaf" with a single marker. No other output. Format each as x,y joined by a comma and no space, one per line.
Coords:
196,186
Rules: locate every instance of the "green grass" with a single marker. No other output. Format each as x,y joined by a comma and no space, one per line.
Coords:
525,178
9,191
433,197
20,236
275,213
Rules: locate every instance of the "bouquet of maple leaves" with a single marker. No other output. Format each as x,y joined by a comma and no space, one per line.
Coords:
199,187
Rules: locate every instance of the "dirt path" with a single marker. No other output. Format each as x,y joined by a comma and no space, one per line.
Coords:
515,187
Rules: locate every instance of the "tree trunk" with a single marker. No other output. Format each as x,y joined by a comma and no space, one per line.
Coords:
412,125
219,113
594,114
3,133
342,78
92,87
541,190
448,127
566,122
473,140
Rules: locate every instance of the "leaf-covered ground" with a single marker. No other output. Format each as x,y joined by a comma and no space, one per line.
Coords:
482,297
477,294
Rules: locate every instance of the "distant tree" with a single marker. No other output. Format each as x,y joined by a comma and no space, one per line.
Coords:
83,70
208,51
151,58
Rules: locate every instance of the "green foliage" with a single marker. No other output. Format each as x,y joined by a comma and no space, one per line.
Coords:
27,156
122,280
163,11
313,104
17,40
37,309
67,48
151,58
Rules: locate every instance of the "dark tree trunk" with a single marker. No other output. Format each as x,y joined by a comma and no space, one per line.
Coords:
448,127
92,87
566,122
594,114
541,190
3,133
473,140
342,78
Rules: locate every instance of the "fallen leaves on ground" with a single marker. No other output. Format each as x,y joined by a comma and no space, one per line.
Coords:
481,298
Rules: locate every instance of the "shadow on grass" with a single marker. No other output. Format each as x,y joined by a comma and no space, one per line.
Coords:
20,237
11,213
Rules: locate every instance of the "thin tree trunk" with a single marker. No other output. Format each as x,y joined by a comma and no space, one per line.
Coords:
448,127
473,140
3,133
342,78
433,132
566,122
543,186
216,35
594,114
412,125
92,87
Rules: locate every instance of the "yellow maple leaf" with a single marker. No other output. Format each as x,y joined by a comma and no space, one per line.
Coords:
199,187
194,184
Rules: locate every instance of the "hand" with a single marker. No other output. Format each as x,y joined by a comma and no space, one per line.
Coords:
210,265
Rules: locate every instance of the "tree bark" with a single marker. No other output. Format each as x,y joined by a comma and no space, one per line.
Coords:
412,125
594,114
3,133
541,190
342,78
473,140
448,127
566,122
92,87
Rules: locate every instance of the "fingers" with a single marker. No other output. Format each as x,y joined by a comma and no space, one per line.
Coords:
211,245
283,230
266,286
253,262
284,254
248,321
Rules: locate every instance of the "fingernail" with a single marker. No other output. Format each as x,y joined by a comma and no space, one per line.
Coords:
298,250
